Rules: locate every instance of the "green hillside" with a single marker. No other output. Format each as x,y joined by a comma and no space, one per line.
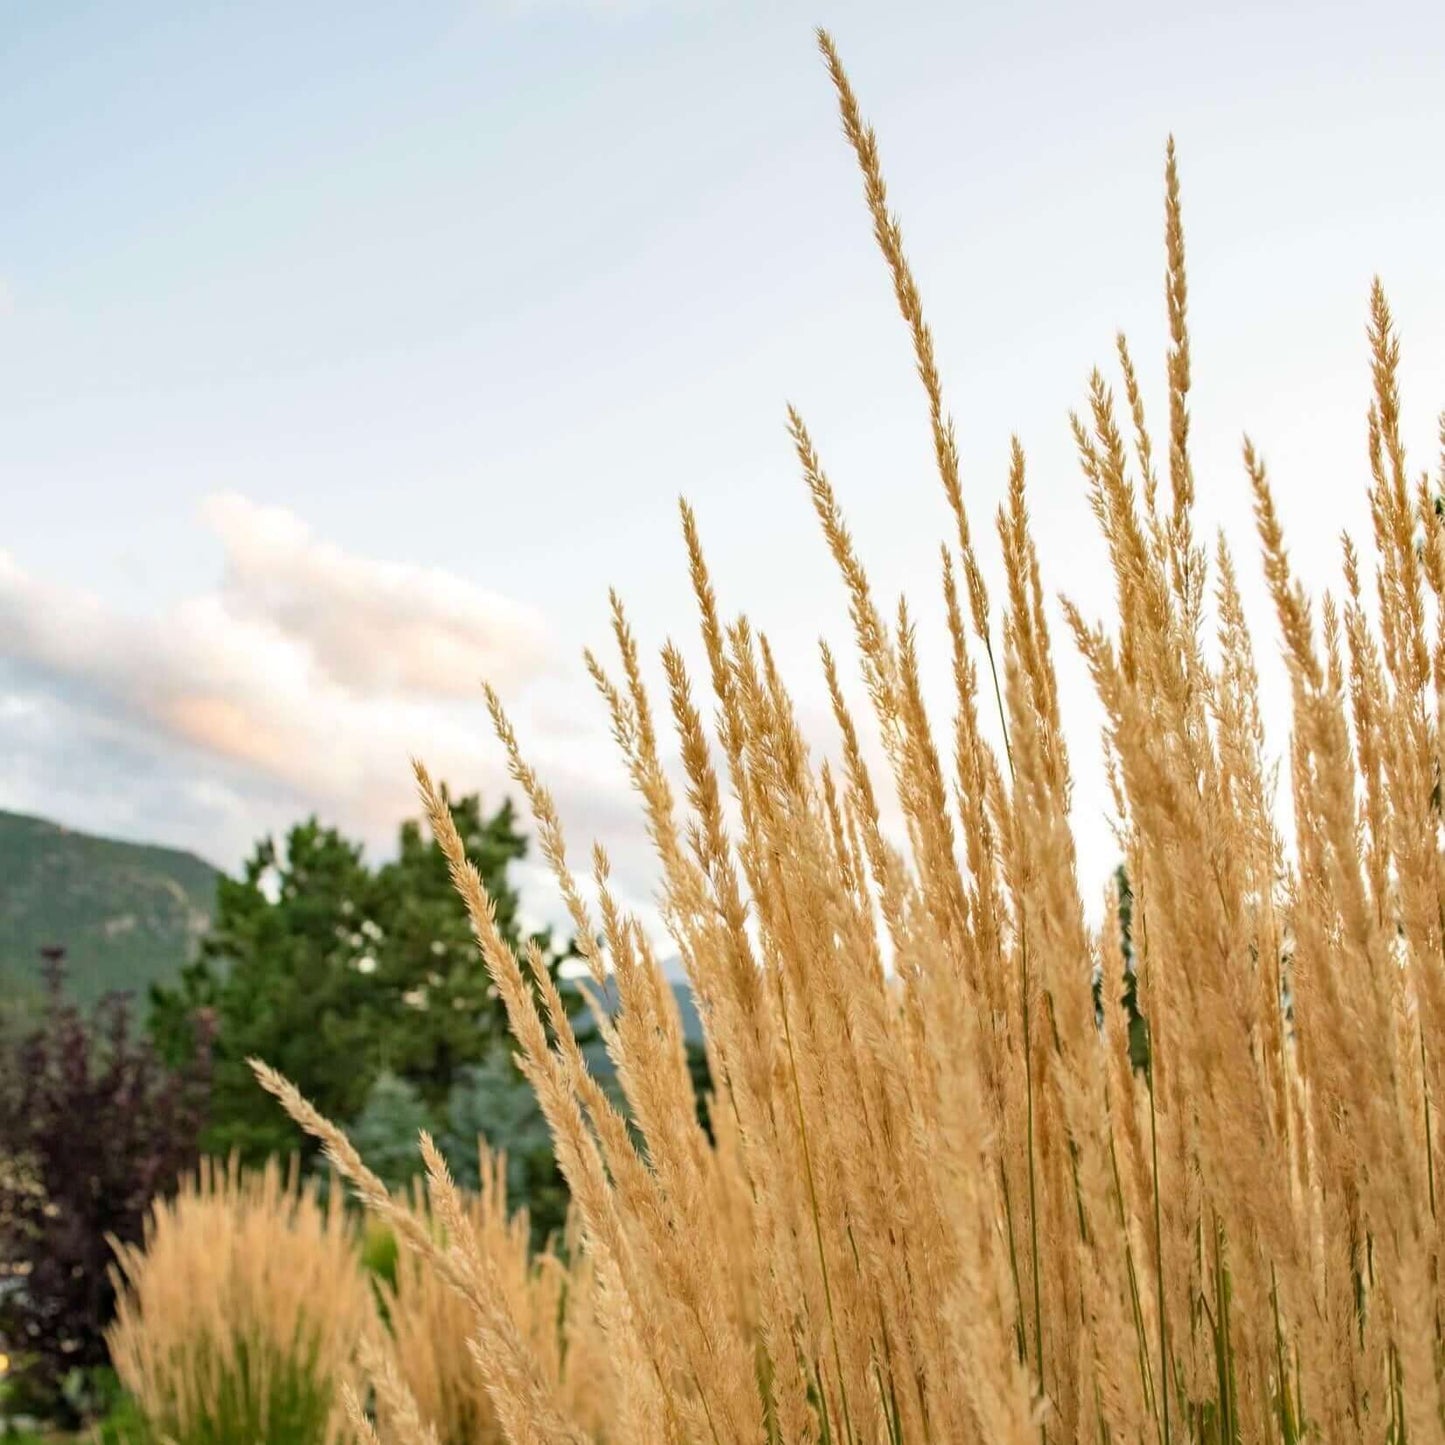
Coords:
127,914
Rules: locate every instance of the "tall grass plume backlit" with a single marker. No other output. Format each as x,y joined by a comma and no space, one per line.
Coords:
981,1168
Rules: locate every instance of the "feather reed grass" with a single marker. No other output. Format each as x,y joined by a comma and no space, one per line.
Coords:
240,1314
951,1197
430,1324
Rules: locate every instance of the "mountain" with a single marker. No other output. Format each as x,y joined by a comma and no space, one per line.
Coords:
676,975
596,1052
687,1007
127,914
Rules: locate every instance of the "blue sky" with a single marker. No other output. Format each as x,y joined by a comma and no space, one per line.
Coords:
350,351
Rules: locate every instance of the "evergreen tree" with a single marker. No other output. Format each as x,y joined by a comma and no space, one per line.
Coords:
278,978
335,973
388,1127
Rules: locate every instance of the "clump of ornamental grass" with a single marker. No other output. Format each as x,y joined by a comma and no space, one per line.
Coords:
958,1192
550,1298
240,1315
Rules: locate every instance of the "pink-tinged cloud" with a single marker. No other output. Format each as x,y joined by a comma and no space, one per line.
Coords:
319,675
372,626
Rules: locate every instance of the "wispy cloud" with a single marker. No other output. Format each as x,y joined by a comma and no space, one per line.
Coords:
371,626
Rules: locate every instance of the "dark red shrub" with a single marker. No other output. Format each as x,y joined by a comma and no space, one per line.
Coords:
92,1128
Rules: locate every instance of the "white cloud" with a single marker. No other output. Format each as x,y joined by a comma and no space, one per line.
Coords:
306,680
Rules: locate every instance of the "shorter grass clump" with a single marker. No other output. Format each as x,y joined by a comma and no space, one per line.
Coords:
240,1315
550,1296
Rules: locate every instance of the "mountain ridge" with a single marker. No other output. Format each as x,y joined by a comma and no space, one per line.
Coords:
127,914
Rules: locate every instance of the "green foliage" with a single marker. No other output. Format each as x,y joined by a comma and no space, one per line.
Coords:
489,1100
387,1128
335,972
701,1075
430,977
492,1100
379,1252
277,977
1138,1025
127,915
121,1423
1134,1020
261,1392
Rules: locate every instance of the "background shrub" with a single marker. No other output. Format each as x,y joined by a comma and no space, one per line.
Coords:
92,1127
